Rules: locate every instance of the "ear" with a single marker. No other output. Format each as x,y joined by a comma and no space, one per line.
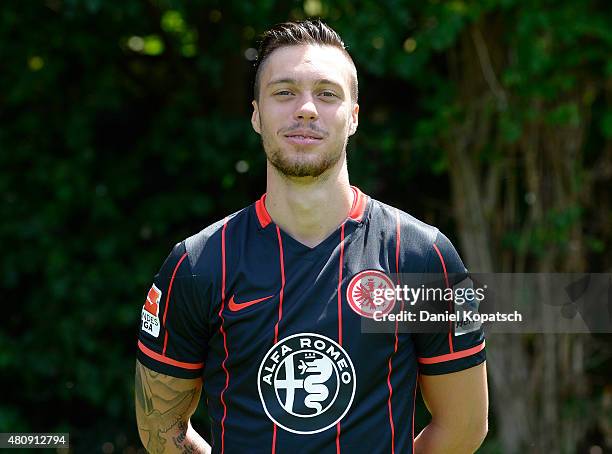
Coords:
354,120
255,118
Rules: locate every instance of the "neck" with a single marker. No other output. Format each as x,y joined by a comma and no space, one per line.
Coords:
309,209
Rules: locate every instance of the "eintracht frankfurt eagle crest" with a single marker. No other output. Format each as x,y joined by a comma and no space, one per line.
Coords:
360,293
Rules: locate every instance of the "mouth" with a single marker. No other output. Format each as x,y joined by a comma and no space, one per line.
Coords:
303,138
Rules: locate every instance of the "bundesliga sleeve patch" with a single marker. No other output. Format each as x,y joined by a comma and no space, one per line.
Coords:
466,307
150,312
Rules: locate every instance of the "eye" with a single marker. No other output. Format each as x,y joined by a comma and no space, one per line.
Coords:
328,94
283,93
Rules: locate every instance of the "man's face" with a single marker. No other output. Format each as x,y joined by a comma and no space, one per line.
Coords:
305,113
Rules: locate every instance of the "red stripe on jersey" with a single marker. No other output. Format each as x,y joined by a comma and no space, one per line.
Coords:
450,305
391,425
282,290
416,384
164,359
340,313
340,285
224,336
389,404
443,265
452,356
168,301
280,309
397,244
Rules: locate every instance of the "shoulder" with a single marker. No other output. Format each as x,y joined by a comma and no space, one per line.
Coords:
410,227
420,244
200,253
194,266
412,232
204,248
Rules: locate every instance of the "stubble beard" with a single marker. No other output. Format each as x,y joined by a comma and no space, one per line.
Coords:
302,163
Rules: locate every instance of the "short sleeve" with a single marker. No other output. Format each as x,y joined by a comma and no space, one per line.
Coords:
172,337
458,348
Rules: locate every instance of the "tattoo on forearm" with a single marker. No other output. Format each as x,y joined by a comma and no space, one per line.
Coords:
163,413
179,440
182,434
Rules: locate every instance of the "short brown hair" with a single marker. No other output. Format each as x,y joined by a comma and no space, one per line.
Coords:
295,34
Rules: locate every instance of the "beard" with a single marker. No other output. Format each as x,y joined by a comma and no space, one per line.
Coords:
298,163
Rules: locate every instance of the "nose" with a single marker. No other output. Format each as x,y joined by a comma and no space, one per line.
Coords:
306,109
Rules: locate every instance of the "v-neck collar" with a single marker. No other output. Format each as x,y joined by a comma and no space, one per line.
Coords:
356,216
360,201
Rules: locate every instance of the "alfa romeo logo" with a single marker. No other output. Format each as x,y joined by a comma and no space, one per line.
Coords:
306,383
360,293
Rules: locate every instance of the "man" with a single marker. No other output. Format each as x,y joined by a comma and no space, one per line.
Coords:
263,309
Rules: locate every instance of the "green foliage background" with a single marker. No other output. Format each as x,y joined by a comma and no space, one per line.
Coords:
121,124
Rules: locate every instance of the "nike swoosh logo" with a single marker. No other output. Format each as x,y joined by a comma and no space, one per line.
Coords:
235,307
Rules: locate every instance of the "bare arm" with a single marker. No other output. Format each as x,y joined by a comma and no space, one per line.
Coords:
164,405
458,403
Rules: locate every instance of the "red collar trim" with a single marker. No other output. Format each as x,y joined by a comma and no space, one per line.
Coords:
360,200
359,205
262,213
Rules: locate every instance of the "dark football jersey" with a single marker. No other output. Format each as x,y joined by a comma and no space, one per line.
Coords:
274,328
